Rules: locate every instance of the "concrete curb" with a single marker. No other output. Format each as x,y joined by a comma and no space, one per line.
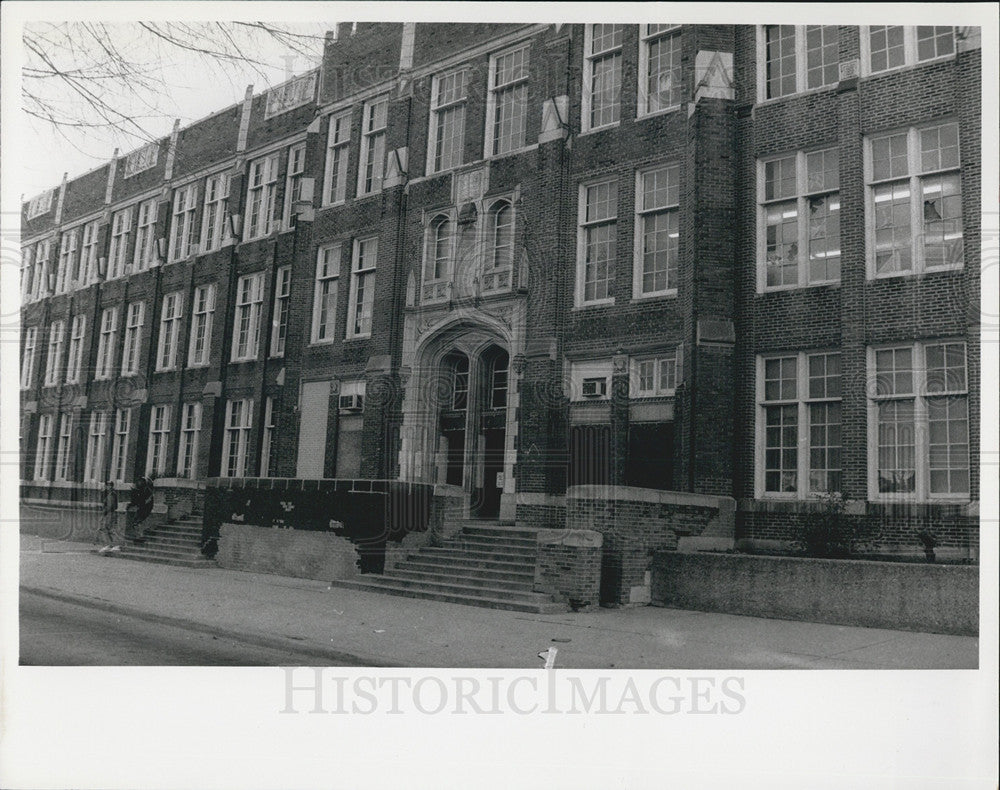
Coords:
336,658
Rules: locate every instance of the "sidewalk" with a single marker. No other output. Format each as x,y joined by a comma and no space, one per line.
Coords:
362,628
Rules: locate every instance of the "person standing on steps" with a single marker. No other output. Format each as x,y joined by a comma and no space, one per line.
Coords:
109,517
140,506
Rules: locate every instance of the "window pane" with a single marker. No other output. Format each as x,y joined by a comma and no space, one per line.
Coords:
893,248
896,447
782,243
780,60
889,157
781,449
887,49
948,430
779,178
939,148
822,55
942,216
935,42
663,81
824,238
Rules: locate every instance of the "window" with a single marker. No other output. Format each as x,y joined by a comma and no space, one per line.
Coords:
797,58
67,258
40,285
338,139
182,223
133,330
87,265
799,425
170,329
799,230
294,93
507,102
63,456
159,430
654,377
656,231
267,438
53,360
439,249
915,201
27,273
145,236
40,204
325,298
293,182
43,449
237,436
187,453
359,318
214,231
260,197
119,445
597,245
892,46
93,467
246,330
498,382
106,343
141,159
75,360
282,295
919,422
121,229
28,356
501,235
447,130
659,68
201,325
372,166
602,75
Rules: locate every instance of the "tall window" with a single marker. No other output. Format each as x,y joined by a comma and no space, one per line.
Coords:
919,422
64,447
338,139
501,235
182,224
915,201
799,425
659,68
267,438
133,334
27,273
246,330
372,166
87,265
28,356
260,196
93,468
654,377
53,360
359,318
800,219
499,382
447,131
40,285
119,445
507,102
106,343
602,75
239,414
293,181
282,297
213,224
439,249
159,431
67,259
460,384
43,450
145,236
325,294
657,231
203,308
121,229
796,58
170,330
892,46
597,245
75,360
187,453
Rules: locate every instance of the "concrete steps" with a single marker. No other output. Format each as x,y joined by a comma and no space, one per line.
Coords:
177,543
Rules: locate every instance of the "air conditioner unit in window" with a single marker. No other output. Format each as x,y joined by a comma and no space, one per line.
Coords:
595,388
352,402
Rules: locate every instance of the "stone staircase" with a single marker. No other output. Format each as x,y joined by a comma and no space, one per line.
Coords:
175,543
486,564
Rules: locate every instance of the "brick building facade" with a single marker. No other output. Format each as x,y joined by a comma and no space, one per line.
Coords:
727,260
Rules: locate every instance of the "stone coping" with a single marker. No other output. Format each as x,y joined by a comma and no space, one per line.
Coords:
536,498
651,495
860,507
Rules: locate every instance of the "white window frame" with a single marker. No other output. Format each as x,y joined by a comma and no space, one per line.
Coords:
74,362
39,204
495,262
910,50
291,94
338,148
583,225
67,254
579,370
667,359
362,298
673,172
64,447
647,39
119,445
121,229
431,272
459,104
877,393
913,178
801,63
43,447
262,187
282,308
106,344
326,292
249,305
202,313
159,439
294,174
29,356
93,468
53,355
590,58
190,430
802,401
372,137
167,345
135,317
40,285
86,271
182,219
141,159
518,83
267,437
27,273
215,216
236,437
144,256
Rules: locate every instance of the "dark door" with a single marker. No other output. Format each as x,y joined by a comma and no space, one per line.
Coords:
590,455
493,458
650,461
456,456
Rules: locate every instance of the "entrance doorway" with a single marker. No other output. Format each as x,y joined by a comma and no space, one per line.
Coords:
493,462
